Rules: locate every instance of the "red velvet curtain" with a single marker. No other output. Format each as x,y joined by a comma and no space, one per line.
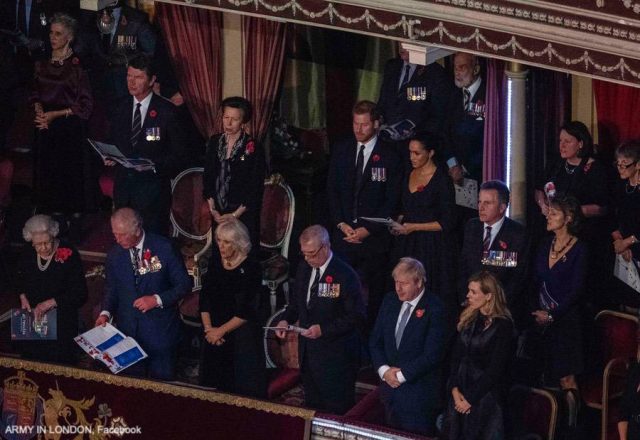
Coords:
493,163
618,118
194,39
264,62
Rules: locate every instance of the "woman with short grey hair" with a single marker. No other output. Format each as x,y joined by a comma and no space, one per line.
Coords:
50,276
231,310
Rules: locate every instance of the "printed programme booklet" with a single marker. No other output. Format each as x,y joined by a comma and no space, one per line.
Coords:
109,345
25,327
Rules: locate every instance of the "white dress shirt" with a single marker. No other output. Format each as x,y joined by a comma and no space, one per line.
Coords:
368,149
495,228
143,108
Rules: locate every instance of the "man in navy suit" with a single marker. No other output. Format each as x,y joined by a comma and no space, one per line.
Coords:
144,282
414,92
146,125
327,302
364,180
407,349
498,244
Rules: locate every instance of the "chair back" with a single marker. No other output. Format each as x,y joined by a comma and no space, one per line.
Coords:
276,219
532,413
616,335
280,353
190,215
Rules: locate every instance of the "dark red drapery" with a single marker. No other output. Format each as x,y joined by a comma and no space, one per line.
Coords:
618,118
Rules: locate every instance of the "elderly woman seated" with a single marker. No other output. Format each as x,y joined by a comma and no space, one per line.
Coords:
49,276
231,312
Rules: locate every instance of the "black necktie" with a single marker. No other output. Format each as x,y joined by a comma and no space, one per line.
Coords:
106,43
135,259
467,97
313,291
405,77
487,238
21,24
358,182
136,127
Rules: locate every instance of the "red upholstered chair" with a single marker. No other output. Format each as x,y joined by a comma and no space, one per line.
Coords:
282,359
532,412
192,223
616,343
276,224
106,182
368,410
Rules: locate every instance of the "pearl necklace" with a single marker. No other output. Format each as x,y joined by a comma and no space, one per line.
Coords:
44,267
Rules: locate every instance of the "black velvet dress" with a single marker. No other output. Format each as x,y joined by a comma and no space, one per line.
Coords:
560,291
434,202
238,365
245,173
64,281
478,369
62,153
627,209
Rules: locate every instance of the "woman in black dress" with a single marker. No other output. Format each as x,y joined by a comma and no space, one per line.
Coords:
627,209
629,424
479,362
50,275
230,307
422,231
62,101
579,175
234,170
561,270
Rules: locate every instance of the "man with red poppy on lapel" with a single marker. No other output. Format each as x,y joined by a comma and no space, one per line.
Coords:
494,242
145,280
146,125
328,304
365,174
407,348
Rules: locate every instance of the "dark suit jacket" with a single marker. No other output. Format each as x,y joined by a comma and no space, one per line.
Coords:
419,356
464,132
339,318
512,237
156,330
375,198
427,114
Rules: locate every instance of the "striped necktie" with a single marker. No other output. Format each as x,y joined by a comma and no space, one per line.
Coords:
136,127
487,238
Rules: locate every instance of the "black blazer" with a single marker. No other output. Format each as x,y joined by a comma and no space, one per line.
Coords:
375,198
168,153
427,114
464,131
339,317
512,237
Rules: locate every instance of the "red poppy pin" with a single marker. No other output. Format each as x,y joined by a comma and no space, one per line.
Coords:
147,255
420,188
153,114
75,60
328,279
587,167
419,313
503,245
63,254
375,157
251,147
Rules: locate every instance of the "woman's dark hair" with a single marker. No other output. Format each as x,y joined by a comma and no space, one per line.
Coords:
580,131
428,140
570,207
241,104
629,149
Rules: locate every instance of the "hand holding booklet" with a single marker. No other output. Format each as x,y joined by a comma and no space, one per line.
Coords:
109,345
383,221
288,328
111,152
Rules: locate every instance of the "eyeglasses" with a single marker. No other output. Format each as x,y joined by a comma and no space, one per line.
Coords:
311,254
42,244
623,166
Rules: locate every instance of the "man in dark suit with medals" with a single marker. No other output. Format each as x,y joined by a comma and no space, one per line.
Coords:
407,349
145,125
364,180
498,244
414,92
327,301
144,282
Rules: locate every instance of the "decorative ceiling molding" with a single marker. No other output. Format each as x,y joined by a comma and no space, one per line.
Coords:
475,26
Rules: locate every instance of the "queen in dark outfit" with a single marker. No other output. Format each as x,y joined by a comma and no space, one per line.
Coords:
479,363
62,101
230,307
423,232
234,170
49,276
